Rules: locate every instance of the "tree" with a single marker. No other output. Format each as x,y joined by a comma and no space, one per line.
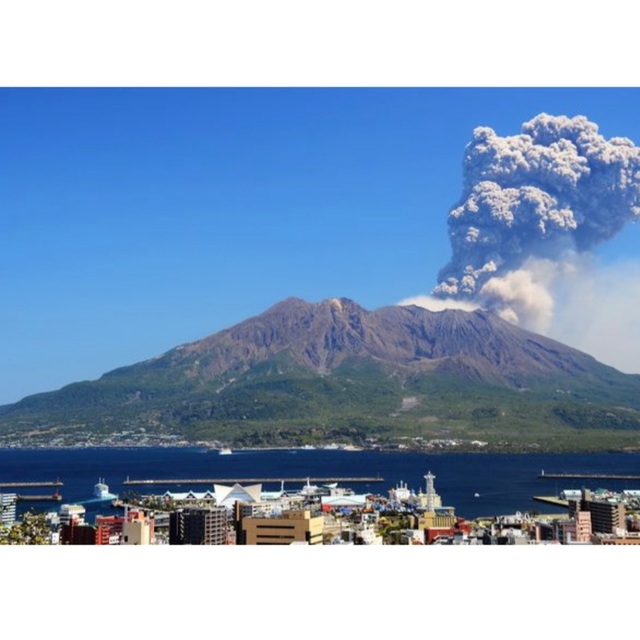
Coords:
32,529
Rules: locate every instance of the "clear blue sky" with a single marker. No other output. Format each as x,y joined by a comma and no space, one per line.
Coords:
134,220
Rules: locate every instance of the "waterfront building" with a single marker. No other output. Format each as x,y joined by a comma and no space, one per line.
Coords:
435,520
8,508
192,497
428,500
571,494
400,493
291,526
227,496
607,514
331,502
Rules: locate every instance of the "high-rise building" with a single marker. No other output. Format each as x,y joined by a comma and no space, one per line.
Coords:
74,532
73,529
575,530
606,516
72,512
8,508
194,525
137,528
108,529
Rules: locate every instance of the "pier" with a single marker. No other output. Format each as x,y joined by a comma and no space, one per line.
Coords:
56,497
249,480
13,485
556,502
586,475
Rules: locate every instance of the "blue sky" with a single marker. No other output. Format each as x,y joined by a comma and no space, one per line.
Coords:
134,220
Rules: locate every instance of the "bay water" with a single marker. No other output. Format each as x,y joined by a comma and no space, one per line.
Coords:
475,484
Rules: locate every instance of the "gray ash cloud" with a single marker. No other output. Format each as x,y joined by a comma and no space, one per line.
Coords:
531,203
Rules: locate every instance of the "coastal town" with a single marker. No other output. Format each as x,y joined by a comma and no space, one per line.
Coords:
319,514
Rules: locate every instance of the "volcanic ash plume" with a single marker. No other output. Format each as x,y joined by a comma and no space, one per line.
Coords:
531,204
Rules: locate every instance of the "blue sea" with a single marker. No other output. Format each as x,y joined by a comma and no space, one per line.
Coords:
504,483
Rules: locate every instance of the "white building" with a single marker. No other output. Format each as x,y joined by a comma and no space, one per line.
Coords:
72,512
8,508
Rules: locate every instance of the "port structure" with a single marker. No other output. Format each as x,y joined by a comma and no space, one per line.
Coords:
249,480
12,485
587,476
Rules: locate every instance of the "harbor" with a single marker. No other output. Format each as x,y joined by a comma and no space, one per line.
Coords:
503,483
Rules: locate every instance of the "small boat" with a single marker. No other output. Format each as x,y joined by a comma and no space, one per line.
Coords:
476,495
101,491
225,451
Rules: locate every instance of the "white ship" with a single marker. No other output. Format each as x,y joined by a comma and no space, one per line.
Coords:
101,491
309,489
225,451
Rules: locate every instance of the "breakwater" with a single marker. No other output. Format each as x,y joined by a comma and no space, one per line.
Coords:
587,476
17,485
252,480
21,497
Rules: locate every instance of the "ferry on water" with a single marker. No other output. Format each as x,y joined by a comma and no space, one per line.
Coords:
225,451
101,491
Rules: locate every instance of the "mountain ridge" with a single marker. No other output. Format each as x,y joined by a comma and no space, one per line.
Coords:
313,367
321,334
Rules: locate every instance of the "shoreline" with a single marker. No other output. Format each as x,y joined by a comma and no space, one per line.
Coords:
433,452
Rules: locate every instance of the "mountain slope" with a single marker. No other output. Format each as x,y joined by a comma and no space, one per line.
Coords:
305,369
319,337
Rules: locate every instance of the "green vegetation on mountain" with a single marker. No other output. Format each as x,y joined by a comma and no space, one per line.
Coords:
333,372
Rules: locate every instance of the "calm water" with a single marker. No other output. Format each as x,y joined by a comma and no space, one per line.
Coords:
506,483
